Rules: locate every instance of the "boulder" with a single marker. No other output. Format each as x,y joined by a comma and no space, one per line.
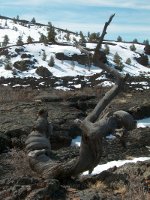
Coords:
23,65
43,72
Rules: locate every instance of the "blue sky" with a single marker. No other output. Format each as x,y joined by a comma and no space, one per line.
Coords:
132,19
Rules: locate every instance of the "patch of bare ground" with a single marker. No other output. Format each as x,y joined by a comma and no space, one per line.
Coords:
17,114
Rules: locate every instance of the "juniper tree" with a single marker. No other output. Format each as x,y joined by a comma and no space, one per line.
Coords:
43,39
8,64
132,47
51,33
29,39
82,38
51,62
135,41
146,42
119,39
5,41
117,60
107,50
19,41
33,21
128,61
44,56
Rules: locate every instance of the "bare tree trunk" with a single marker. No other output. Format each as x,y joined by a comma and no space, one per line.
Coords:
99,45
93,129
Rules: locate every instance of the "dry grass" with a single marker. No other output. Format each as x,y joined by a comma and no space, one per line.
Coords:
19,163
97,91
9,94
136,190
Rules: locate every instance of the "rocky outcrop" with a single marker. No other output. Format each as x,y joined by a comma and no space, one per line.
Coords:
23,65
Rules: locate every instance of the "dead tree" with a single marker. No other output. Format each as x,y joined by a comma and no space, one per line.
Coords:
94,128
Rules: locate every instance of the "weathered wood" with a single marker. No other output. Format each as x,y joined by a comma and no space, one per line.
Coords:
93,129
104,33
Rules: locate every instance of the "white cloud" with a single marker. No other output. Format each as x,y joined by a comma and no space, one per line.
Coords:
135,4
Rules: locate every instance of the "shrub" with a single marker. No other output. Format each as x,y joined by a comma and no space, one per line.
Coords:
51,61
132,47
128,61
118,62
106,50
8,65
119,39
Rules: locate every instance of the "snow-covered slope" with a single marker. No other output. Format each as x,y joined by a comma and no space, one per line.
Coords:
61,68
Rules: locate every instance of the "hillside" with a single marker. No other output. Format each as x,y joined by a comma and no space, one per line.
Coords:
20,61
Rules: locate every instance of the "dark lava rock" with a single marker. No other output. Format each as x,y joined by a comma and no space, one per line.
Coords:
43,71
24,55
23,65
140,111
4,142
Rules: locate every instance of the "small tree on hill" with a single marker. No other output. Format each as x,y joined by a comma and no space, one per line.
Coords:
51,62
43,39
117,60
8,64
5,41
107,50
146,42
128,61
33,21
44,55
119,39
19,41
94,37
51,33
6,23
135,41
67,36
82,38
29,39
132,47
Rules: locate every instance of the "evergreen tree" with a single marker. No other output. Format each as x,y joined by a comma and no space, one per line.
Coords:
44,56
8,64
135,41
146,42
94,37
128,61
51,33
68,36
17,17
119,39
132,47
19,41
6,23
107,50
5,41
82,38
51,61
118,62
43,39
29,39
33,21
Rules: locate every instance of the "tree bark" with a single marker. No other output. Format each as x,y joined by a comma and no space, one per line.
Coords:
93,129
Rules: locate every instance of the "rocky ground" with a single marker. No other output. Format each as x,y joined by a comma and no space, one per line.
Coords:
18,111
